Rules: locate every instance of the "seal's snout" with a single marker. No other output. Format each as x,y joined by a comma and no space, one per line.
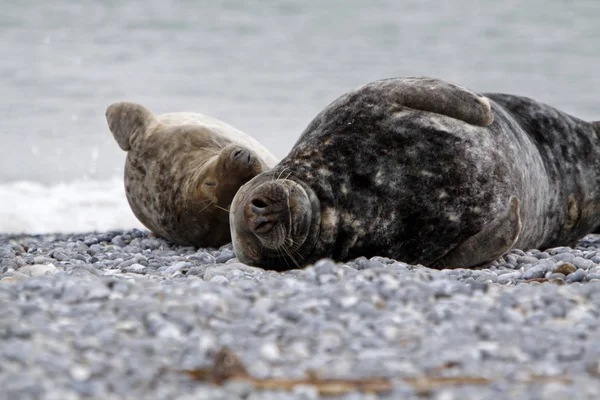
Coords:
265,212
271,220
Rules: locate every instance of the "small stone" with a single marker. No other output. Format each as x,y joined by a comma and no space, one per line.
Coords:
527,260
306,392
91,241
98,292
14,278
570,352
566,257
576,276
225,256
94,249
42,260
20,261
38,269
270,352
178,267
324,266
348,301
219,279
509,277
118,241
202,258
538,271
564,268
239,389
582,263
151,243
17,350
60,256
80,372
136,268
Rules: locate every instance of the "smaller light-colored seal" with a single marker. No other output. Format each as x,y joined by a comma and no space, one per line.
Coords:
183,169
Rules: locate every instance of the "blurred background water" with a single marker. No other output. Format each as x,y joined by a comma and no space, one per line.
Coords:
266,67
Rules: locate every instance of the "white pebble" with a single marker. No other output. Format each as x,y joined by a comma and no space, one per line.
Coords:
348,301
270,352
80,372
38,269
219,279
306,392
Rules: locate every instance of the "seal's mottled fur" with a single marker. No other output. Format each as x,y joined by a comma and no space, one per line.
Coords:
399,168
183,169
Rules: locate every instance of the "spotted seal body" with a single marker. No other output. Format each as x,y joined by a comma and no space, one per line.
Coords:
412,169
183,169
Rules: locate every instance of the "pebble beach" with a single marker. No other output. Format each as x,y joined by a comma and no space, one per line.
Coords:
123,315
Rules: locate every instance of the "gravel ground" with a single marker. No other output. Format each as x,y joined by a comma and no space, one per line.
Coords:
116,315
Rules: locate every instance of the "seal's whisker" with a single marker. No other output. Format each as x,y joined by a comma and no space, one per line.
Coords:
205,207
293,247
221,146
286,251
281,173
221,208
280,256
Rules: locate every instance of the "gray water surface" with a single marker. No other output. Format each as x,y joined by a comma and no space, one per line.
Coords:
266,67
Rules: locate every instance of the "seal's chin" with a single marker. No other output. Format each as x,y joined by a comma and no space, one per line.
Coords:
270,222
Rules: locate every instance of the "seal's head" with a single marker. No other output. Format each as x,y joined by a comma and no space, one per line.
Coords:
182,171
274,222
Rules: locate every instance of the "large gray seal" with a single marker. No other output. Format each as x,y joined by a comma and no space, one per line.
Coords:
183,169
423,171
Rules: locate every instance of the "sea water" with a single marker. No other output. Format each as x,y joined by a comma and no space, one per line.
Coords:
265,66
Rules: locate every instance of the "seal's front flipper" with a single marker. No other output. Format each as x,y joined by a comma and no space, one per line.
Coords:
126,120
440,97
495,239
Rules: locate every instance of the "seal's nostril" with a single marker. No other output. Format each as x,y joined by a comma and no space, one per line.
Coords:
263,225
237,153
259,203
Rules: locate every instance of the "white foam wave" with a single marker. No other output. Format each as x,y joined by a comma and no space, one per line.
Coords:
78,206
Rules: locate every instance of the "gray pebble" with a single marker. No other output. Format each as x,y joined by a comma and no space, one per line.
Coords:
576,276
509,277
178,267
136,268
224,256
152,243
567,257
60,255
537,271
526,260
582,263
118,241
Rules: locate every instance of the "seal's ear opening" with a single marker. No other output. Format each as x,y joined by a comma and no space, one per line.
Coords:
126,120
